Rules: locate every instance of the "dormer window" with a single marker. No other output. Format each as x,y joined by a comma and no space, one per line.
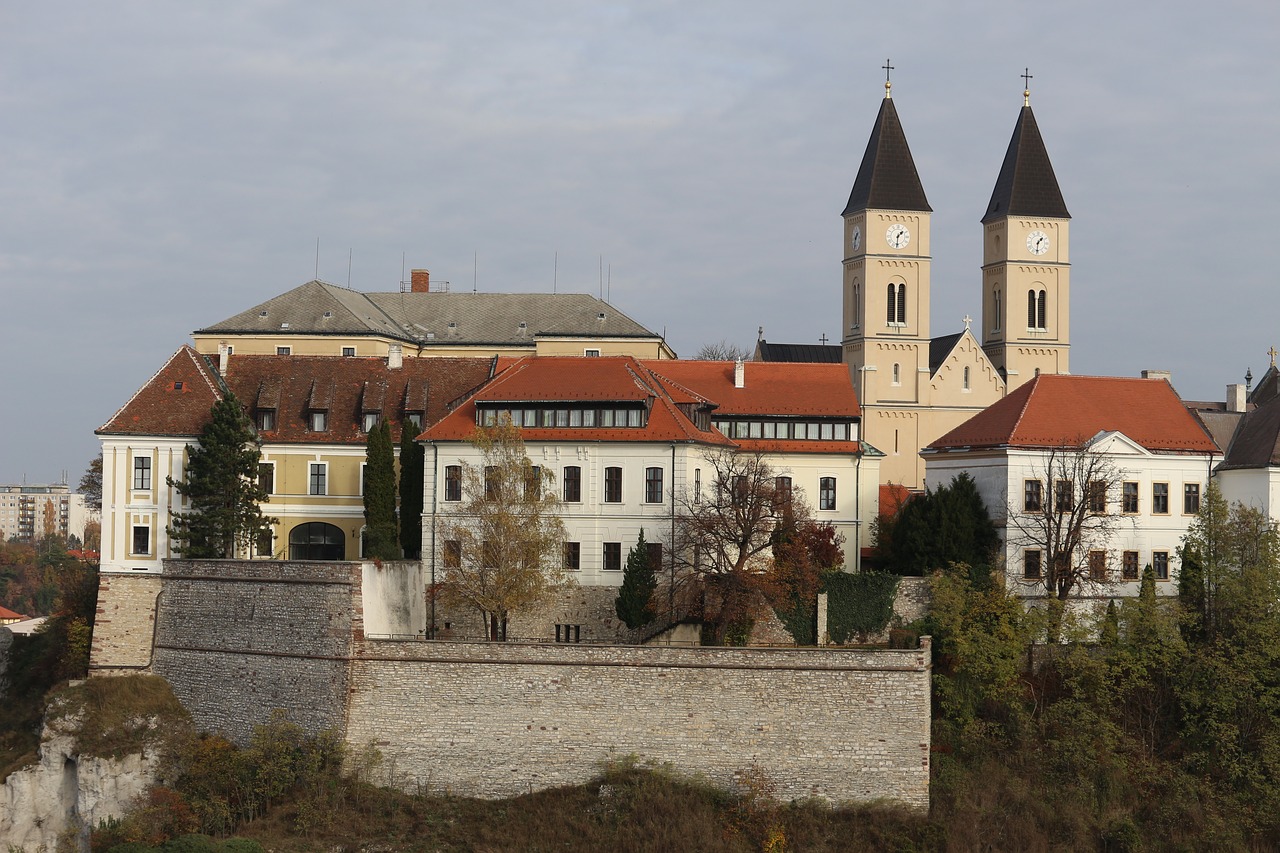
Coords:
370,421
319,421
266,420
414,418
284,350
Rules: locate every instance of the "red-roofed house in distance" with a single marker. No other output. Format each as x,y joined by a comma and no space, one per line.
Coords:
623,437
1161,455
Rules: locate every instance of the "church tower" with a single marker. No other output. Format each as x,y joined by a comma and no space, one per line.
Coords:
886,287
1026,270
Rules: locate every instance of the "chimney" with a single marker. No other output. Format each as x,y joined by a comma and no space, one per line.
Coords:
420,281
1166,375
224,355
1235,398
395,355
739,374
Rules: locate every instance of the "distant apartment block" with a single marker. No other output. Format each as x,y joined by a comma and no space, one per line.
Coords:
28,513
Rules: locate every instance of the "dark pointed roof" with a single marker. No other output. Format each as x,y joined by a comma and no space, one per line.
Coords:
799,353
887,178
1268,387
1027,185
1256,443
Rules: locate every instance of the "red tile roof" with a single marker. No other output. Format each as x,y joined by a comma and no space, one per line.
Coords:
769,388
1056,411
7,615
175,401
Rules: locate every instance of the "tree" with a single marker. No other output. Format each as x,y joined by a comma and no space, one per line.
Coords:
381,532
634,604
91,484
724,538
805,553
412,468
1067,516
221,483
503,542
938,528
723,350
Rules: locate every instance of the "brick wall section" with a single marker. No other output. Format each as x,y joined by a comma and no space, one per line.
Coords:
123,626
238,639
496,720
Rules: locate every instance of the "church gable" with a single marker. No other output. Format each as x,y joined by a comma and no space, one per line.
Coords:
964,375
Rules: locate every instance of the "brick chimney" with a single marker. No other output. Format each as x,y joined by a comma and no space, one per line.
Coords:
420,281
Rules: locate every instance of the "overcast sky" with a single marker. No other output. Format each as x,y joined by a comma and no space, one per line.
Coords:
167,165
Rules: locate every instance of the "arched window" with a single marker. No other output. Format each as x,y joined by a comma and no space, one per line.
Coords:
902,303
1037,309
1040,313
966,379
857,308
1031,309
995,326
316,540
892,314
897,374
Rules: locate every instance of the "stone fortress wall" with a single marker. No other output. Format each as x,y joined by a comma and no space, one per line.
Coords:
238,639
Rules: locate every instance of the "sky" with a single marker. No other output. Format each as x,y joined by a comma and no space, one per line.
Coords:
167,165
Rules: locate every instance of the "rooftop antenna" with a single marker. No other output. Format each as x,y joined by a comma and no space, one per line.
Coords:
609,285
317,259
555,273
602,277
402,272
475,270
349,253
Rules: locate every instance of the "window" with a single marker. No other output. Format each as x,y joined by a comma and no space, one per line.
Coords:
1031,564
319,421
284,350
572,556
897,373
489,554
1098,566
653,485
533,483
1160,498
1031,498
315,540
1129,497
853,324
263,544
492,486
414,419
995,324
591,353
782,491
1191,498
697,485
966,379
142,472
141,540
267,477
568,633
266,420
573,484
1036,310
1064,499
453,482
613,556
1130,566
827,493
451,556
613,485
1160,564
902,304
897,305
1097,497
319,471
348,352
370,421
655,554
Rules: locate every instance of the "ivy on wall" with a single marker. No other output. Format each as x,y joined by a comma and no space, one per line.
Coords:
859,606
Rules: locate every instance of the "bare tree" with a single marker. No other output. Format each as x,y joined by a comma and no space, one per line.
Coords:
502,545
1066,512
723,350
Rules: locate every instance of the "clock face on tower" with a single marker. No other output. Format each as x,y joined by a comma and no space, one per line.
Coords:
897,236
1037,242
855,239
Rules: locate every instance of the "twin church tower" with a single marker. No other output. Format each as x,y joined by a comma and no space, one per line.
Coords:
913,387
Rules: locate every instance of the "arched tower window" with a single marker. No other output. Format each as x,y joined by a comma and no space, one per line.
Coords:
1031,309
857,307
1040,312
902,303
1037,305
892,315
995,297
897,374
966,379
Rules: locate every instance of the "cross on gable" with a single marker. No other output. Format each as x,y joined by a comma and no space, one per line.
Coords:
1272,352
823,339
967,321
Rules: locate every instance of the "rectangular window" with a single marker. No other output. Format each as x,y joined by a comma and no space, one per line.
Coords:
613,485
266,420
572,556
348,352
491,483
613,556
142,472
1098,566
1098,497
1160,498
319,421
141,540
267,477
653,485
655,555
572,484
1031,495
1191,498
827,493
1160,564
568,633
1064,499
283,350
533,483
782,490
370,421
1130,566
319,470
1129,497
414,419
453,482
1031,564
263,545
451,556
591,353
489,554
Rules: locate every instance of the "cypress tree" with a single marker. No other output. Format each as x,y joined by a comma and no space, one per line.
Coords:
412,467
380,495
221,484
638,584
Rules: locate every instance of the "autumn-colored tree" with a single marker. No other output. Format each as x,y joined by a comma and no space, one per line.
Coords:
804,552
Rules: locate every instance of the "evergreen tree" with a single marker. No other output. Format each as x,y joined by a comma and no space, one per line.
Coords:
380,495
222,486
412,468
949,525
639,581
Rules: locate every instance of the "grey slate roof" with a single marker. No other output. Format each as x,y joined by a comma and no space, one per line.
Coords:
800,353
939,349
1268,387
1026,185
479,319
887,178
1257,441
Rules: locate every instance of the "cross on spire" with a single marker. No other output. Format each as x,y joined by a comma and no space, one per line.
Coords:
1027,77
1272,352
887,85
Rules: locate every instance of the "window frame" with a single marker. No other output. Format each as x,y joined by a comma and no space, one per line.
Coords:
613,484
1130,498
1097,497
452,483
270,486
653,489
572,477
145,530
1098,566
1131,566
827,500
573,556
1027,563
322,480
1159,497
266,420
611,557
1032,495
1190,498
142,474
1160,565
1064,492
318,420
